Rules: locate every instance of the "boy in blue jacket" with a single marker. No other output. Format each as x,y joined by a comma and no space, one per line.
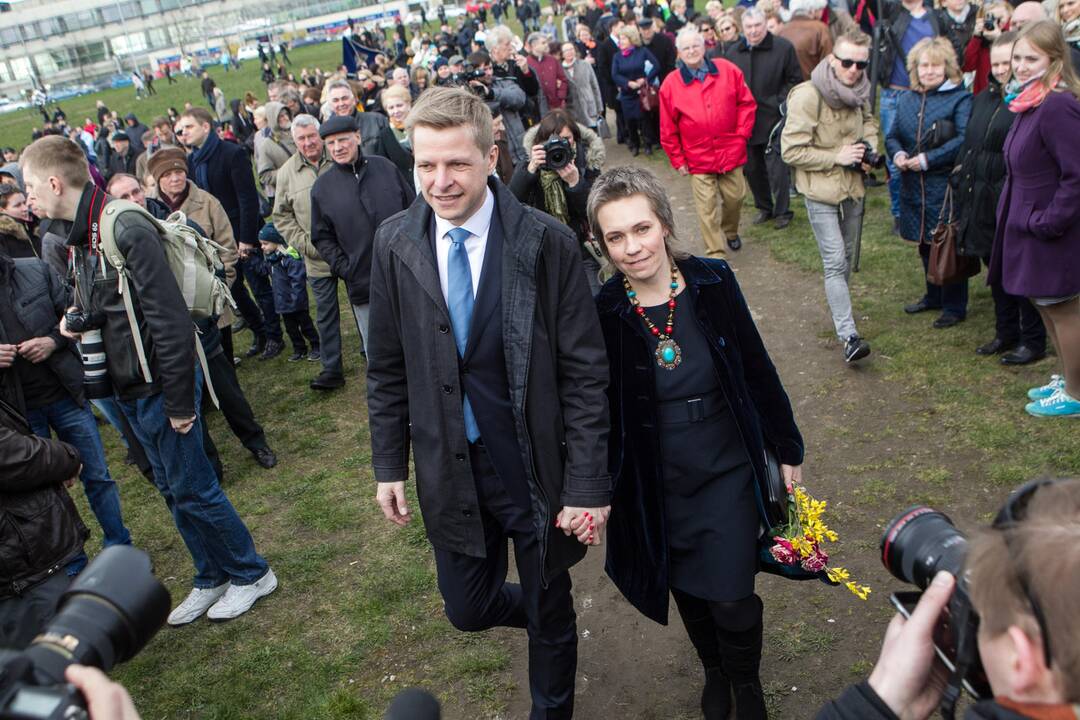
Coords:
288,278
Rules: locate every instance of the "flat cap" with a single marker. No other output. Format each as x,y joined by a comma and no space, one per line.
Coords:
336,125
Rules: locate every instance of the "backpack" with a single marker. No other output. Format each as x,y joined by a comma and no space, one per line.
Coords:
194,263
773,145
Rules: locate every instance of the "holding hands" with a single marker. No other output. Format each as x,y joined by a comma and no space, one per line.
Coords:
587,524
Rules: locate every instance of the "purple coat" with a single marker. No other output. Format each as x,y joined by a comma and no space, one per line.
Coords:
1037,245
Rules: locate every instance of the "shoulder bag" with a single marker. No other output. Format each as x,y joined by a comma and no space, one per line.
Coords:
946,265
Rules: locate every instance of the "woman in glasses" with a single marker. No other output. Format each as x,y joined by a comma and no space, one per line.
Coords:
828,140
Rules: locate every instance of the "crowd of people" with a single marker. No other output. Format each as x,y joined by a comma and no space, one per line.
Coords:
529,322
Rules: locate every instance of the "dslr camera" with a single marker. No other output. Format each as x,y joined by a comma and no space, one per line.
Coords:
96,382
558,153
107,616
989,22
870,157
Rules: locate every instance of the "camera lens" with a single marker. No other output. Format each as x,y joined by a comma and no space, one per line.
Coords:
96,382
919,543
107,616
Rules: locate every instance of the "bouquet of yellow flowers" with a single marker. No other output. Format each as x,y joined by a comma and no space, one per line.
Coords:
799,542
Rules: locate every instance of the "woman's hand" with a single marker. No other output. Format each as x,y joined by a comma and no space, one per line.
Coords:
537,158
587,524
569,174
792,475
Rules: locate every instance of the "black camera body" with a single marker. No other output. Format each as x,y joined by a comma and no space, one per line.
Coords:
558,153
80,321
107,616
989,22
870,157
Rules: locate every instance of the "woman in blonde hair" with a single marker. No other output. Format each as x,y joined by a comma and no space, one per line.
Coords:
1037,246
931,120
1068,14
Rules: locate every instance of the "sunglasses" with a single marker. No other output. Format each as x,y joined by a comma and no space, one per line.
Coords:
1011,515
846,63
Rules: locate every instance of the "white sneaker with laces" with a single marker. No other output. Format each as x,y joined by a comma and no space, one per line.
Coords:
238,599
195,604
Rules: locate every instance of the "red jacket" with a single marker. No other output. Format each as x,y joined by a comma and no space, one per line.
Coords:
553,81
706,125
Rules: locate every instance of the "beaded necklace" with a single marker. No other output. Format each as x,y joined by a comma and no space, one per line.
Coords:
668,353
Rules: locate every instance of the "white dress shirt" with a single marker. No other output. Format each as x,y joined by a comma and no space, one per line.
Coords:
475,244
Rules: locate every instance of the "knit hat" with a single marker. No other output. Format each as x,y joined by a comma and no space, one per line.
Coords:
336,125
439,62
270,234
164,160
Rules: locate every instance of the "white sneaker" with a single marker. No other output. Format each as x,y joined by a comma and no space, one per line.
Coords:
195,604
239,598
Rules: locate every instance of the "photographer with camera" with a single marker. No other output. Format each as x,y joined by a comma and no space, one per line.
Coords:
829,140
515,87
1001,610
564,159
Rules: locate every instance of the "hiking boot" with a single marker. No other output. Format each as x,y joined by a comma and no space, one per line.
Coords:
238,599
265,457
855,349
1060,404
1057,382
273,349
195,604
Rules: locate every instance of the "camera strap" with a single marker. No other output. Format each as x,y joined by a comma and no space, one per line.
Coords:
83,267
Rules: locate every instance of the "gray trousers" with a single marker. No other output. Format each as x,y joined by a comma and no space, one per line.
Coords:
23,617
328,320
360,312
836,228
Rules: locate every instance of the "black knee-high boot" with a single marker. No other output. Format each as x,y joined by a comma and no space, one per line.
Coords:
703,632
740,647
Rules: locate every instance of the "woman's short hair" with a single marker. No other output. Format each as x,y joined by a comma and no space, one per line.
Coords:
1047,37
631,33
395,92
56,156
937,50
713,5
553,124
626,181
442,108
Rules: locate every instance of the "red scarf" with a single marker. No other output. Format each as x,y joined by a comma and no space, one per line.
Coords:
1032,96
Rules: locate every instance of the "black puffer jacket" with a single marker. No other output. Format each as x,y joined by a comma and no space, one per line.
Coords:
979,177
348,203
40,529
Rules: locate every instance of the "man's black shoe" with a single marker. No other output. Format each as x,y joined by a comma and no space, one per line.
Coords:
1023,355
257,347
265,457
783,221
327,381
735,243
994,347
921,306
947,320
855,349
761,217
273,349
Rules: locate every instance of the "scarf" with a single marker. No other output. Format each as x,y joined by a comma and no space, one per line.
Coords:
1022,97
836,94
175,203
626,51
1072,31
200,159
554,196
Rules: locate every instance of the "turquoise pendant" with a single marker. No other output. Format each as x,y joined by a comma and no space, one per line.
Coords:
668,354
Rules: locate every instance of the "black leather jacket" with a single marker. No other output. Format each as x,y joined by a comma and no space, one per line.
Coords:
40,529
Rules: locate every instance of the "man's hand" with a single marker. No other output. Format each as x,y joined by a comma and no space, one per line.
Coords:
684,170
37,349
522,63
391,498
850,154
105,699
77,337
570,175
906,676
7,355
70,482
182,425
587,524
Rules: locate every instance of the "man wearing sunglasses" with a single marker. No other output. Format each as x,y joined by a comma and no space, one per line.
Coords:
828,122
1023,575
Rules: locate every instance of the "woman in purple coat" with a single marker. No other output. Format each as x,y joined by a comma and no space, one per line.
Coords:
1037,245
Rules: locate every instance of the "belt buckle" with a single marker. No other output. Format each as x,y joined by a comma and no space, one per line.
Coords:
695,409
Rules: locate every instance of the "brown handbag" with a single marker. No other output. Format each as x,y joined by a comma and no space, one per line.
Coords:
946,265
647,97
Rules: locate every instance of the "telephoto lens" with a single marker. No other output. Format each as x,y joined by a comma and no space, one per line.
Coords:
919,543
96,382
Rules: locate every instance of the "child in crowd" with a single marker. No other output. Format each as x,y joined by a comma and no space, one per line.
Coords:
285,268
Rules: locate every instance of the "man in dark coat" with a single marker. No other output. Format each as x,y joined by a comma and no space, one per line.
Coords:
348,202
135,131
223,169
606,49
123,157
771,69
481,317
660,45
208,86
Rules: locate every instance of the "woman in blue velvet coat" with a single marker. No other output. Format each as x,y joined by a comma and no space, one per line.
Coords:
631,68
694,399
924,142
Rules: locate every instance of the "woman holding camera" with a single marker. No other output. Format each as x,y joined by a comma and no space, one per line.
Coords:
694,400
931,120
1037,246
978,180
564,159
992,20
633,69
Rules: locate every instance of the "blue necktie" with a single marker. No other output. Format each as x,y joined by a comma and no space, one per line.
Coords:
459,292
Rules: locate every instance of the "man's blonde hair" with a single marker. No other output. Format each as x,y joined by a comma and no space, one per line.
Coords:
56,156
443,108
936,50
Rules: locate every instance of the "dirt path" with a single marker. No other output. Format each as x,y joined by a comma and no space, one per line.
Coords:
872,448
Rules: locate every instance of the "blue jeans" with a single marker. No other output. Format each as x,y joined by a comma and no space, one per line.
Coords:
77,427
889,100
220,545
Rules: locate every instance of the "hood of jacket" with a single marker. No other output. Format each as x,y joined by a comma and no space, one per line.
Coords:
13,170
595,153
11,226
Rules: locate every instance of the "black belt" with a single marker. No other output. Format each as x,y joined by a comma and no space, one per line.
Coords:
691,410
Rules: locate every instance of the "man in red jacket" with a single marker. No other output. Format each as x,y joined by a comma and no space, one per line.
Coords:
706,117
554,85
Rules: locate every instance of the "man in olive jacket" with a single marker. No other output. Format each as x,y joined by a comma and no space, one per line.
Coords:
485,352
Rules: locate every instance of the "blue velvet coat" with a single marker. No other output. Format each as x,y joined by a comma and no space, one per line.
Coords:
637,547
625,68
923,193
